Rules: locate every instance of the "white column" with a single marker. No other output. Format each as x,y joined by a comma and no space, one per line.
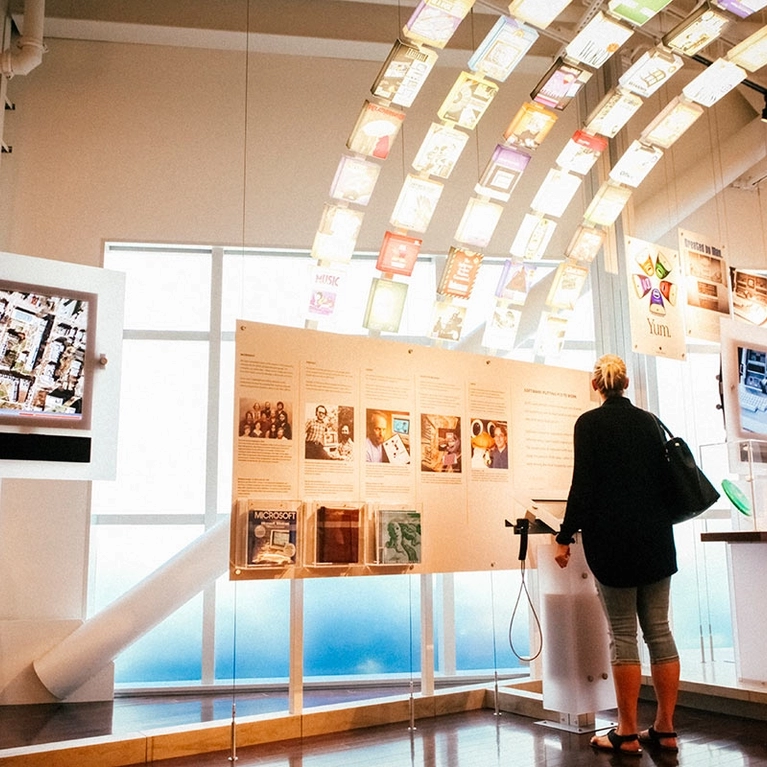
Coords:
99,640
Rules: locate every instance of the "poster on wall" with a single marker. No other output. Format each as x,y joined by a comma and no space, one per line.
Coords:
707,285
656,299
749,296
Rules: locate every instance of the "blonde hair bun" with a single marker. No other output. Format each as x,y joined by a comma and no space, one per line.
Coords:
610,375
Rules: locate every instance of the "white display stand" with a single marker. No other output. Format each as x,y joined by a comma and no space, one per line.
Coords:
746,555
742,462
577,680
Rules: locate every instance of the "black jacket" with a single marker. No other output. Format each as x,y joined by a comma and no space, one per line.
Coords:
618,494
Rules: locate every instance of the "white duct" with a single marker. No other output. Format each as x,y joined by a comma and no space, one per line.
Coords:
88,649
26,52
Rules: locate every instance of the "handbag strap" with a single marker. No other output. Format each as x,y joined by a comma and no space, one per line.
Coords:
663,428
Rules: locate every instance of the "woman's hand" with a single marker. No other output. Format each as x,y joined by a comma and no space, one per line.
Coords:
562,555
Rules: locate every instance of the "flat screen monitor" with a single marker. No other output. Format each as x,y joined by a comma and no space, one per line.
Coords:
46,355
400,425
744,388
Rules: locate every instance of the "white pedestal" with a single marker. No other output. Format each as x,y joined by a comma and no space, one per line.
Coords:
576,662
746,558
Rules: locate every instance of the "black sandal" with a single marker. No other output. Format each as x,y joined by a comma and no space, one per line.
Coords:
616,741
654,738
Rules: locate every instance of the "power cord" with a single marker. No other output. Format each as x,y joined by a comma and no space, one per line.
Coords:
522,528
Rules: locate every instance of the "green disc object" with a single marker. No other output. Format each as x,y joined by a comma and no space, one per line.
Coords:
737,496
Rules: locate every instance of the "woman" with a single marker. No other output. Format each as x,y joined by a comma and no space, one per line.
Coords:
617,500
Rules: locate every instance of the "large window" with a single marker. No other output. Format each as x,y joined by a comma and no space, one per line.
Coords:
174,481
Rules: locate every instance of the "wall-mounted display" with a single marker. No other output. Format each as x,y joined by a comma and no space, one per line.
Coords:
502,49
744,389
403,73
46,355
60,354
410,413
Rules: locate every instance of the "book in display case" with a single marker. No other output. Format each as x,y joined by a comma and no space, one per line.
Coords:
338,531
265,533
398,535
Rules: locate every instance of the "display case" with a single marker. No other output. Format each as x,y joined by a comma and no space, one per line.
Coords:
738,469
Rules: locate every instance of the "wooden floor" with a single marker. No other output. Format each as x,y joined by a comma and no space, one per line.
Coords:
473,739
482,739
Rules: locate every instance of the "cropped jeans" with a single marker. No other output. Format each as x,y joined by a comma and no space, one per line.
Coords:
650,605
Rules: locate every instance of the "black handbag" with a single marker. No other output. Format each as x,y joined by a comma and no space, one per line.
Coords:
692,492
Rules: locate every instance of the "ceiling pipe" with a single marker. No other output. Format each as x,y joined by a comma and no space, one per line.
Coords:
26,51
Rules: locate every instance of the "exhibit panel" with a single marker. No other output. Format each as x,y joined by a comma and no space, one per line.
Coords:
385,457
